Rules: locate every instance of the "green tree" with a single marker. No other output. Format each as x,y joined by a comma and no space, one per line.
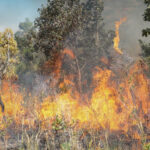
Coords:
26,26
146,15
8,54
89,43
56,21
29,59
77,25
146,32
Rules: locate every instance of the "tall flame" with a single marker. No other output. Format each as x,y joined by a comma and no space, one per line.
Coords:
112,105
117,38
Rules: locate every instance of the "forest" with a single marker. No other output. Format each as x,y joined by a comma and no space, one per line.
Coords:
65,83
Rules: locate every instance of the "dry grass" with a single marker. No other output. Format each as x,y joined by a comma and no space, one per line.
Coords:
63,136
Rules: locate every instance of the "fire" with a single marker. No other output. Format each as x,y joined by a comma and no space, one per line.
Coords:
69,53
112,105
13,104
117,38
104,60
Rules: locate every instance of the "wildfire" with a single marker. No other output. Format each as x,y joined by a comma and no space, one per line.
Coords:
117,38
112,106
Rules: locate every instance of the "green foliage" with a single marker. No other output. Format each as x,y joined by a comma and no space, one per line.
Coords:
145,51
56,21
58,123
90,145
64,23
65,146
147,146
146,17
89,43
77,25
146,32
29,59
25,40
8,54
26,26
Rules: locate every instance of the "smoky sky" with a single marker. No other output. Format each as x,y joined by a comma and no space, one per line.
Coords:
131,30
12,12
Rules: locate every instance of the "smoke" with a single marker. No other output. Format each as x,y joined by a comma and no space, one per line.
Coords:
14,12
131,30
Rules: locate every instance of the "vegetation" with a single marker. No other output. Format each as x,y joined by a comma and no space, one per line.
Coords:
8,55
146,32
73,32
78,26
25,42
56,21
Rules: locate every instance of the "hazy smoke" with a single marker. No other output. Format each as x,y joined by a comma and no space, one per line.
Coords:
130,31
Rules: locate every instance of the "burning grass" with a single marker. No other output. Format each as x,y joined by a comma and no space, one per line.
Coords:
114,116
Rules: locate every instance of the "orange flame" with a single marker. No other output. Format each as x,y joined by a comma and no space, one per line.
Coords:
109,107
69,53
117,38
113,105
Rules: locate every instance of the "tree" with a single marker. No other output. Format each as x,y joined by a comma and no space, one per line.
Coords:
77,25
29,59
145,51
89,43
56,21
8,54
146,15
146,32
26,25
25,35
